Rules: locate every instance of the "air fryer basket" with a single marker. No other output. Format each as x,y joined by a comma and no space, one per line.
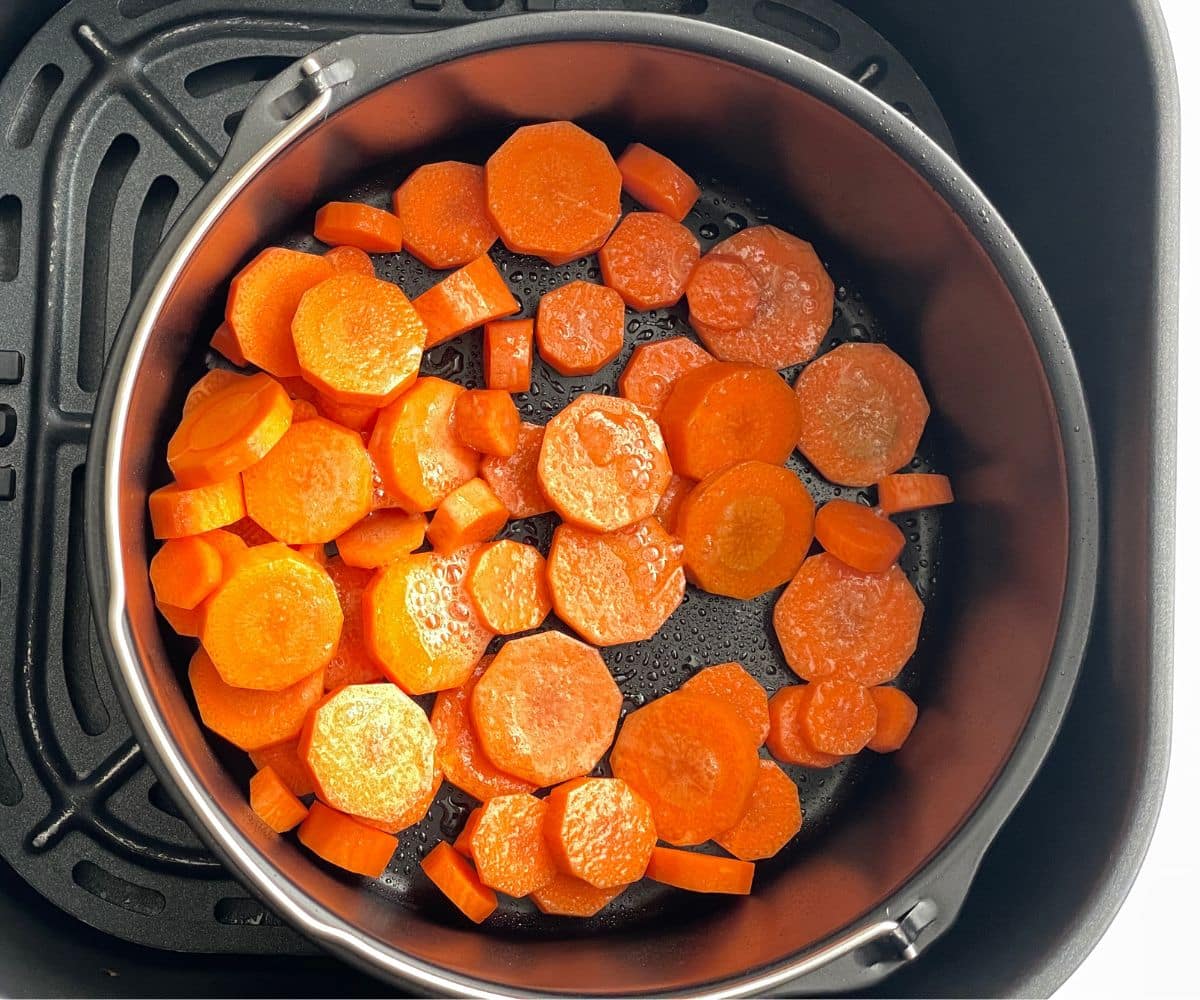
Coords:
907,232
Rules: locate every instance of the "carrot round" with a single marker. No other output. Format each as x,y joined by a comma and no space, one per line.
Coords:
911,491
839,717
184,621
786,740
567,896
487,420
654,369
732,684
225,344
603,464
693,759
650,178
473,295
353,416
553,191
861,537
185,571
862,413
275,803
580,327
514,479
454,876
230,547
599,830
546,709
700,872
507,583
351,662
380,537
745,529
508,844
724,413
508,354
284,760
442,209
209,385
470,514
673,496
350,260
648,260
177,511
616,587
835,621
357,225
896,716
773,819
722,296
345,842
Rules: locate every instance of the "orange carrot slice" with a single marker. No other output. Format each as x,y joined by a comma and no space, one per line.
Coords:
673,496
912,491
470,514
183,620
350,260
861,537
722,296
567,896
274,802
453,874
352,416
357,225
648,260
184,572
472,296
284,760
580,327
508,844
351,663
443,214
773,819
225,344
209,385
654,369
839,717
487,420
177,511
515,479
732,684
700,872
599,830
786,740
656,182
380,537
229,546
345,842
896,714
507,583
508,354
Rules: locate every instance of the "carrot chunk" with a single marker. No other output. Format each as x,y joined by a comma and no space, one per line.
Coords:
839,717
648,260
184,572
656,182
732,684
508,844
453,874
722,295
508,354
599,830
357,225
184,621
912,491
654,369
786,740
380,537
487,420
209,385
351,663
514,479
567,896
177,511
274,802
345,842
284,760
352,416
673,496
442,209
225,344
861,537
773,819
580,327
507,583
472,296
700,872
350,260
896,716
470,514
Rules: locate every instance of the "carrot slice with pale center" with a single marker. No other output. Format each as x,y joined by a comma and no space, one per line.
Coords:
773,819
442,209
654,369
648,260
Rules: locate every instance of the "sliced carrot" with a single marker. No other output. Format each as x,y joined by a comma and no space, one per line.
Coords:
567,896
650,178
509,847
354,224
359,340
453,874
314,485
599,830
896,716
648,260
862,413
553,191
350,260
745,529
442,209
580,327
250,532
275,803
284,760
773,819
229,546
345,842
515,479
185,571
835,621
861,537
693,759
722,296
229,431
353,416
225,344
603,464
673,496
176,511
487,420
209,385
786,740
274,620
724,413
262,300
470,514
473,295
700,872
462,843
380,537
912,491
351,662
419,622
250,719
839,717
508,354
616,587
507,583
415,449
183,620
546,709
732,684
654,369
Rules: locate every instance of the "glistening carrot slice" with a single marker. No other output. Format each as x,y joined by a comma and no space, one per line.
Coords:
508,354
654,369
284,760
648,260
350,260
722,296
275,803
508,844
673,496
580,327
345,842
225,344
442,209
861,537
896,716
515,479
599,830
732,684
786,740
176,511
507,583
902,492
380,537
567,896
357,225
184,572
453,874
209,385
839,716
351,663
473,295
656,182
773,819
470,514
700,872
487,420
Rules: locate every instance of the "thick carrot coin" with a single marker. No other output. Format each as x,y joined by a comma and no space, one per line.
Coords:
508,844
185,571
380,537
732,684
177,511
839,717
656,182
420,624
184,621
487,420
250,719
861,537
599,830
354,224
654,369
314,485
786,740
284,760
515,479
745,529
673,496
700,872
472,296
648,260
225,344
773,819
453,874
359,340
553,191
603,464
508,354
351,662
546,709
912,491
567,896
723,413
230,547
693,759
833,621
274,620
862,413
580,327
275,803
470,514
262,301
616,587
209,385
345,842
350,260
722,295
507,582
353,416
442,209
896,716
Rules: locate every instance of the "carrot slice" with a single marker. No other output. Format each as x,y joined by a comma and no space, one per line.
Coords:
862,413
745,529
274,620
553,191
673,496
648,260
345,842
599,830
177,511
350,260
225,344
185,571
773,819
250,532
700,872
359,340
650,178
357,225
209,385
250,719
380,537
229,546
912,491
284,760
487,420
693,759
732,684
183,620
567,896
351,663
508,845
861,537
786,740
453,874
654,369
722,296
724,413
274,802
580,327
546,709
839,717
616,587
415,449
834,621
442,209
896,716
508,354
603,464
515,479
352,416
470,514
229,431
262,301
420,624
472,296
507,583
